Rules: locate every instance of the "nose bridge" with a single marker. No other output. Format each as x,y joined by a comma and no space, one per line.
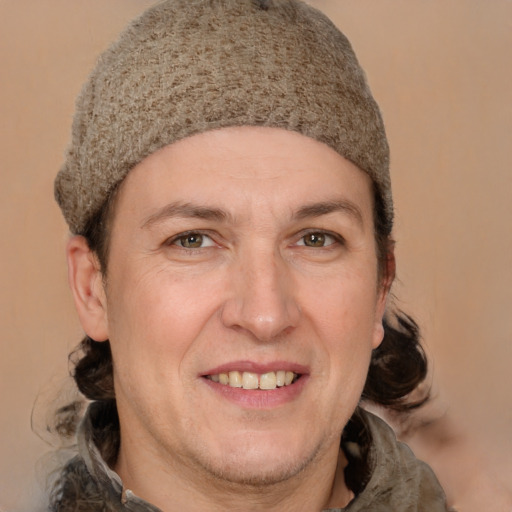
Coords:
263,301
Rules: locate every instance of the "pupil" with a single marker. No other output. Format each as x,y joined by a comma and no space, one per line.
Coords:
315,240
193,241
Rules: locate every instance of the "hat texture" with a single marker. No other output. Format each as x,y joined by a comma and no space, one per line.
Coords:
188,66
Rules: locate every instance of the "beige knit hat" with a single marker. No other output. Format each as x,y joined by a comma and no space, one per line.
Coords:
188,66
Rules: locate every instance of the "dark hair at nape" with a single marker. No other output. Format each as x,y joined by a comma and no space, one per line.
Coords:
398,366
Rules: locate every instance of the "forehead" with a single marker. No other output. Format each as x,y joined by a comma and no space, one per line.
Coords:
243,172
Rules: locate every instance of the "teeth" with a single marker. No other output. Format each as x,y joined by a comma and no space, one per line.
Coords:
268,381
235,379
250,380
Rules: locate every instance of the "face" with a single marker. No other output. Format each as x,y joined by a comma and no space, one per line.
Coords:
242,302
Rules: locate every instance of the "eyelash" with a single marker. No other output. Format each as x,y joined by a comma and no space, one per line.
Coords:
326,235
334,237
189,234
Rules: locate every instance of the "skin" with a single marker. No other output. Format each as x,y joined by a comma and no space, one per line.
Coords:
273,282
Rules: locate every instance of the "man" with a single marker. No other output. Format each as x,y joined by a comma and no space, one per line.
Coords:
227,188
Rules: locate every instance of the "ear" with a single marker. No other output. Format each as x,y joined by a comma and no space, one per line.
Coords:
86,283
384,287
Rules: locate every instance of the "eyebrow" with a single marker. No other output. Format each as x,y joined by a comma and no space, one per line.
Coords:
326,207
190,210
178,209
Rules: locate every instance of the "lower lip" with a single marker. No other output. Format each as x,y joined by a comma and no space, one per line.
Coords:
259,398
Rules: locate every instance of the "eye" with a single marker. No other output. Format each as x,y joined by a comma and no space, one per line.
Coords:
317,239
193,240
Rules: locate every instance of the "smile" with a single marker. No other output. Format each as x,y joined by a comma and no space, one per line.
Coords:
251,380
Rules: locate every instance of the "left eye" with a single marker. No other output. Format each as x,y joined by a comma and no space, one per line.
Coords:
193,241
317,239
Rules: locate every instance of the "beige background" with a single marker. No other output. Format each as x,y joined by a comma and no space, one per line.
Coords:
441,71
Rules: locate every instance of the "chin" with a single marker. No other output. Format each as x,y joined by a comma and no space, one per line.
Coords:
271,473
258,463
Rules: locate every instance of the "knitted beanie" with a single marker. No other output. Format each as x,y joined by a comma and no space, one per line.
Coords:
188,66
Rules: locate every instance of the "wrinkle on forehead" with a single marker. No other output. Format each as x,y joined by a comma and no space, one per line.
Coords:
218,214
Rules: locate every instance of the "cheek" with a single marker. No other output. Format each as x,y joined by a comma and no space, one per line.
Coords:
345,318
348,304
155,317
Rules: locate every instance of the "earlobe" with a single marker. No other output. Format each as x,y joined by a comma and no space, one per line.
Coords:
378,334
86,283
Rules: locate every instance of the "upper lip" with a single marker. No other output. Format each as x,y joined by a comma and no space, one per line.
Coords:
255,367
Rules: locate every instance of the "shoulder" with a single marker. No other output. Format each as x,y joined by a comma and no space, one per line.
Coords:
398,481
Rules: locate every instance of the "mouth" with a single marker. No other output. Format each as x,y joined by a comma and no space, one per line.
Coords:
258,386
252,380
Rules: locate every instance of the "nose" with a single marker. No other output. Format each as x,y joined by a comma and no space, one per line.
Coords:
261,300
